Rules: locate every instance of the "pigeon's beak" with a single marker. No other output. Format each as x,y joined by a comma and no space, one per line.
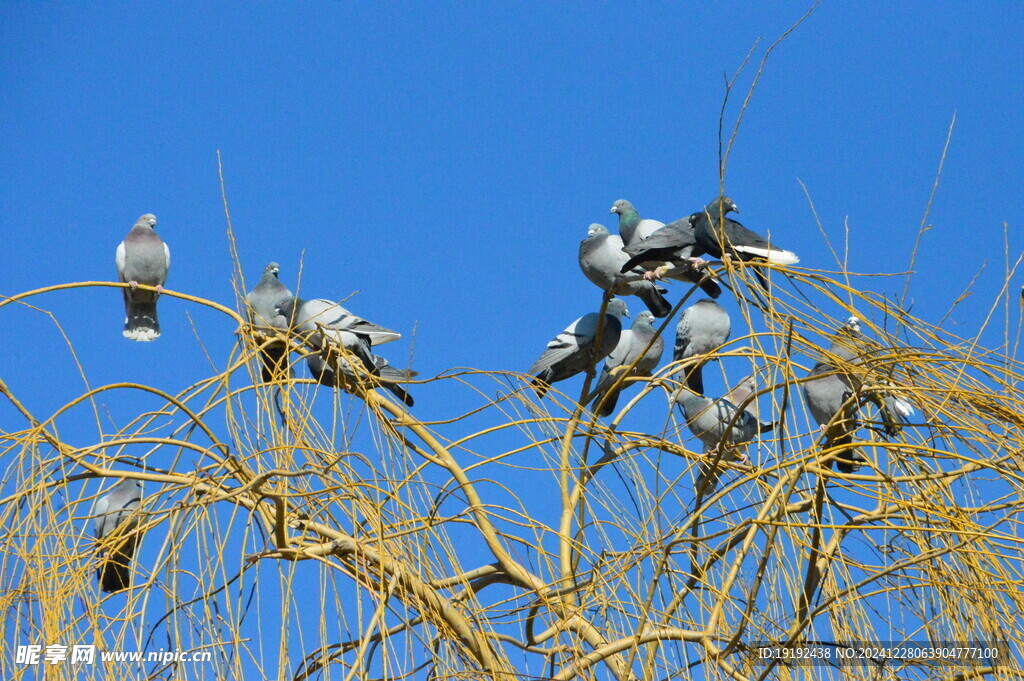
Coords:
735,208
614,210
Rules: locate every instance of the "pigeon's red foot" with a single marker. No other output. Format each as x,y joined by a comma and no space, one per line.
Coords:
698,263
657,273
134,284
159,288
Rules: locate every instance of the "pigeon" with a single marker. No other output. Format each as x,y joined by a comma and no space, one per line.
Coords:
601,258
572,351
852,346
142,258
632,342
703,328
673,248
318,321
115,512
711,225
325,375
831,394
723,429
632,228
740,395
263,315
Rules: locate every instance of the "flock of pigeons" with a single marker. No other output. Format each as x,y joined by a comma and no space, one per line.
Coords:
628,264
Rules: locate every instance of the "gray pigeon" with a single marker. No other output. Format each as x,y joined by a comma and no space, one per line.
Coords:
319,321
264,317
671,248
326,375
740,395
831,393
717,235
723,429
601,257
115,512
632,342
834,392
572,351
142,258
632,228
703,328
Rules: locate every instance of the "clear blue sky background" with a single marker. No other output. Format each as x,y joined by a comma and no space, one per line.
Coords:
445,160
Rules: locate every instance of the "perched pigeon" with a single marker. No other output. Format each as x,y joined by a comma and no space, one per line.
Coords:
836,388
718,235
632,342
325,375
142,258
671,248
572,351
741,392
722,428
263,315
832,393
632,228
601,258
319,320
703,328
115,512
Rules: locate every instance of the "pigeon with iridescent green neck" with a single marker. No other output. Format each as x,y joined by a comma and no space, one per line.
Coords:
633,228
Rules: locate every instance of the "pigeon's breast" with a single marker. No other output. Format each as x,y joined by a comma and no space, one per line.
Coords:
145,261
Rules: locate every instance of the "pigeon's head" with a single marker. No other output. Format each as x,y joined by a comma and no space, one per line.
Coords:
623,207
852,326
617,308
272,268
287,307
727,204
597,230
148,219
645,317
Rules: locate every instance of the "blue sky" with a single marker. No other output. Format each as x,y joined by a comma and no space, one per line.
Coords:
445,160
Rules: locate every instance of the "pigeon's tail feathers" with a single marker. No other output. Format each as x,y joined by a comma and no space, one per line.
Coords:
275,363
140,322
400,393
656,303
695,379
114,572
711,288
848,460
601,392
776,256
540,384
